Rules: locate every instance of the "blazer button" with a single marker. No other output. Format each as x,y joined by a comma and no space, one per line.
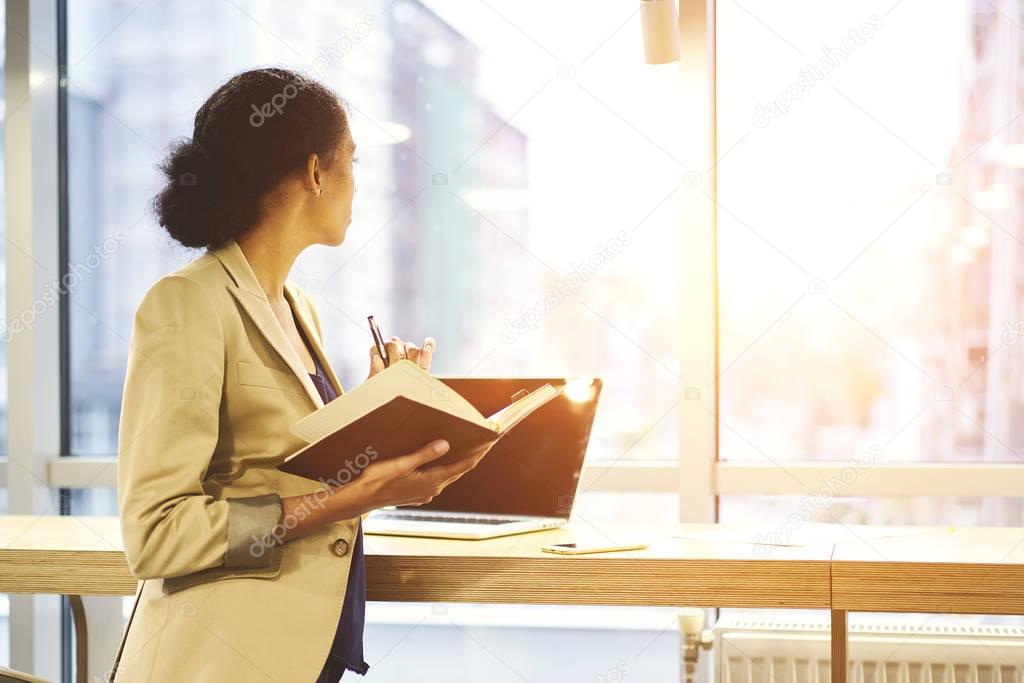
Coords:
340,547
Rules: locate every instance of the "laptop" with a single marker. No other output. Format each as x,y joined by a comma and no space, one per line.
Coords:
526,483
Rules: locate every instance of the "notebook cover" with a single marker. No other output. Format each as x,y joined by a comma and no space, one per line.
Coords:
398,427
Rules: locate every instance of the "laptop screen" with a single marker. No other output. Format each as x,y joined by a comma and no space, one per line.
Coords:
534,469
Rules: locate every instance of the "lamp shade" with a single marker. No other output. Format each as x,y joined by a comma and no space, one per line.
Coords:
661,31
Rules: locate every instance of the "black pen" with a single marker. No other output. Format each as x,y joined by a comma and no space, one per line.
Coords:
378,339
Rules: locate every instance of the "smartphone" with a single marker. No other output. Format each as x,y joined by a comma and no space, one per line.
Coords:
587,548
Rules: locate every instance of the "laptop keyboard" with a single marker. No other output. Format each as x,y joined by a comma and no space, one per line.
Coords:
468,519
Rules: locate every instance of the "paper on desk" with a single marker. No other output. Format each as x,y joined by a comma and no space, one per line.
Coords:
809,534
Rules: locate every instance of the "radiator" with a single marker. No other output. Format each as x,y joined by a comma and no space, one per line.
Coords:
781,651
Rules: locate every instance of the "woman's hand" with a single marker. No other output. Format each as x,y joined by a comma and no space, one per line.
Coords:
405,480
411,479
398,350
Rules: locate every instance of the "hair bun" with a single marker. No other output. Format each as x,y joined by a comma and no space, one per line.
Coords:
215,181
187,161
187,206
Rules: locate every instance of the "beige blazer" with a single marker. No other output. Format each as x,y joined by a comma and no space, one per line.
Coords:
213,385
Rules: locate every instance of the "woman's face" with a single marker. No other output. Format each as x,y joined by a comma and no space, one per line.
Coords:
333,208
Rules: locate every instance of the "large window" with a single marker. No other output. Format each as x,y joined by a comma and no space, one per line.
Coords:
518,200
869,244
492,173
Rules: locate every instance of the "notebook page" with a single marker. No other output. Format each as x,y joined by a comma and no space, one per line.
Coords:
404,378
508,417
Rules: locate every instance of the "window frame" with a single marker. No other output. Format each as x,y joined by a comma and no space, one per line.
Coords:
33,353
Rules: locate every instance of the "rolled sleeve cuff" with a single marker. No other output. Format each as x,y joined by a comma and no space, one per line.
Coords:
251,525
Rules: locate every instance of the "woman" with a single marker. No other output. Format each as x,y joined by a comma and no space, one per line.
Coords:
249,574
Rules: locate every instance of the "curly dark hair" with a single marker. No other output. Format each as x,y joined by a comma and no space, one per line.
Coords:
253,130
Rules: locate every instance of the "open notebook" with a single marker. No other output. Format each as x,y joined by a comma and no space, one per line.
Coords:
398,411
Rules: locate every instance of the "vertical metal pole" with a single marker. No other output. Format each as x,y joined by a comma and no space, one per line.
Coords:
72,616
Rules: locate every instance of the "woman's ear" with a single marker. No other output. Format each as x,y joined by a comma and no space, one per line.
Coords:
313,174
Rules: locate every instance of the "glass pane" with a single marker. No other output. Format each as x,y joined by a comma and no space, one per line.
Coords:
496,150
607,507
869,258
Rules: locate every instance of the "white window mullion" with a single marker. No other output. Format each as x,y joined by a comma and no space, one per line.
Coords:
730,477
865,479
640,477
33,320
697,434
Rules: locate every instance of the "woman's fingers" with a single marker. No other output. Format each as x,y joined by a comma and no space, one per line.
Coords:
396,350
412,352
454,470
399,350
376,362
426,354
412,479
432,451
421,356
443,475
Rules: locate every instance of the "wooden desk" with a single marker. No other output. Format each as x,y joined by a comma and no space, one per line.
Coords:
672,572
84,556
907,569
975,570
63,555
978,570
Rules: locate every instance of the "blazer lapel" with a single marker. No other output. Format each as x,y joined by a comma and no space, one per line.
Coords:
305,320
253,299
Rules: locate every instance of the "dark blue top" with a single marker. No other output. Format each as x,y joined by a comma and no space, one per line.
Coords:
347,649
